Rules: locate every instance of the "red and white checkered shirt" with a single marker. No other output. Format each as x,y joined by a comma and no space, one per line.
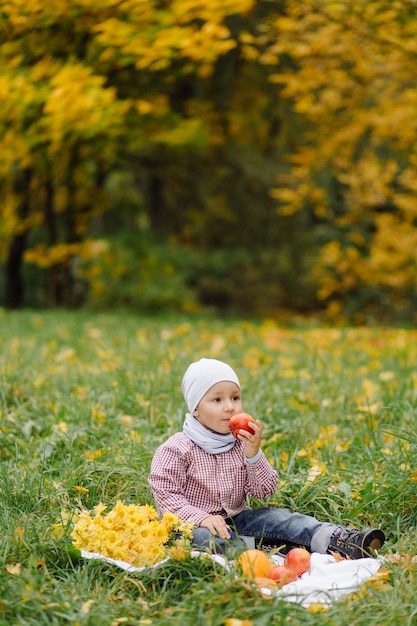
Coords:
194,484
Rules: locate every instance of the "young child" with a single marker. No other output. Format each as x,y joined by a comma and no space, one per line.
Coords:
204,475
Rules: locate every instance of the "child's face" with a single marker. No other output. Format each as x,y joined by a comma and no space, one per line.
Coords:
218,405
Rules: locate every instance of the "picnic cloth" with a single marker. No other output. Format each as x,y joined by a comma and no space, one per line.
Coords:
327,580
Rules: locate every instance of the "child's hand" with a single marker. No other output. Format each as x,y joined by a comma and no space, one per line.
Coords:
252,442
216,525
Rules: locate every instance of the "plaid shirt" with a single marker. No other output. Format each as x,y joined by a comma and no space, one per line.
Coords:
194,484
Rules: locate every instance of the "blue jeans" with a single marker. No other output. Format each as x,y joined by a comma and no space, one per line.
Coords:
270,527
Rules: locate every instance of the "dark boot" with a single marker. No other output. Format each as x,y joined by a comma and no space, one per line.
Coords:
356,544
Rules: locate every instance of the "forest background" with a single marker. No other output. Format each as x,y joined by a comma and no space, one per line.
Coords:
247,156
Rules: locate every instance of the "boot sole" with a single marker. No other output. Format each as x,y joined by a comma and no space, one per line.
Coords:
373,541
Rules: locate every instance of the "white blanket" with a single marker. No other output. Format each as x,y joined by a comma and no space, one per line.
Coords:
326,581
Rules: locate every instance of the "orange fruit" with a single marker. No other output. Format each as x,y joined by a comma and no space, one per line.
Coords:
266,583
281,574
253,563
240,421
298,559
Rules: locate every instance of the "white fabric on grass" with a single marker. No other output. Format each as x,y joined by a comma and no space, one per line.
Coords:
326,581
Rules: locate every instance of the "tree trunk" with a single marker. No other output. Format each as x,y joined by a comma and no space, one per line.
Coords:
14,261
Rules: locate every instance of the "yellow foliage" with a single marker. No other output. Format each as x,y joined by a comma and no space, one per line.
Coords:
54,255
56,93
79,103
352,78
346,70
152,36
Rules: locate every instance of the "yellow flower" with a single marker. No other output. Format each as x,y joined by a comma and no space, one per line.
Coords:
317,607
90,455
81,489
180,551
129,532
170,519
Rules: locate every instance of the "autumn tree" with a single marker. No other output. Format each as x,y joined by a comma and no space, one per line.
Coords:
273,141
348,72
58,133
87,86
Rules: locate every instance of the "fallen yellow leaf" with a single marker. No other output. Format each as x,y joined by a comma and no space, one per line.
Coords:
401,558
86,606
382,574
338,557
81,489
14,569
316,607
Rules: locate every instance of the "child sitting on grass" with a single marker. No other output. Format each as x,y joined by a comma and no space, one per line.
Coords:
204,475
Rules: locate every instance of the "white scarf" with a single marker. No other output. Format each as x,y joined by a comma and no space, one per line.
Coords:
208,440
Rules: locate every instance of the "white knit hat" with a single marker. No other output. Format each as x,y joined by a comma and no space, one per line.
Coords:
201,376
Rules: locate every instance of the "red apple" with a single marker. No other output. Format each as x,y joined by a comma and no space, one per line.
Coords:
240,421
281,574
298,559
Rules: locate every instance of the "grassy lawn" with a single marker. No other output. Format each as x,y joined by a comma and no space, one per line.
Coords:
84,401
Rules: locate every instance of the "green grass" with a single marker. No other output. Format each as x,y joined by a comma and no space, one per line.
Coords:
84,401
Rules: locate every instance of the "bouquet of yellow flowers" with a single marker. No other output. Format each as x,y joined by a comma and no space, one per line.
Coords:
130,532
